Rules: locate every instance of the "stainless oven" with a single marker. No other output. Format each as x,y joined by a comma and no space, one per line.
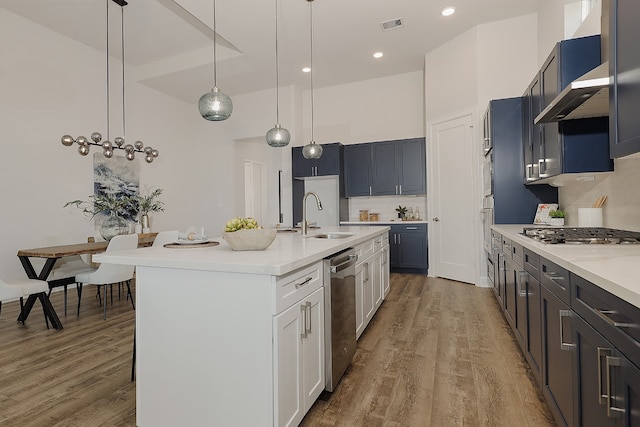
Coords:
487,175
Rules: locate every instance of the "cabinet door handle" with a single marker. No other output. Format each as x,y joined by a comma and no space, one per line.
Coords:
303,311
399,240
307,318
400,186
436,219
365,267
522,292
541,163
396,188
612,411
603,315
564,345
602,395
370,193
301,284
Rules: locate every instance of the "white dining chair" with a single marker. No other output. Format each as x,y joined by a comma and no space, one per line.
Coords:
164,237
22,288
108,274
66,268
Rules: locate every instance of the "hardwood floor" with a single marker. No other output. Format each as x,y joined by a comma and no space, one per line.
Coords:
437,353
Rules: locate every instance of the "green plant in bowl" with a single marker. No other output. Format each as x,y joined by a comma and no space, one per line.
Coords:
557,214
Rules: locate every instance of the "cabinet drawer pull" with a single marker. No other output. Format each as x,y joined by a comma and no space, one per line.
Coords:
602,395
603,315
564,345
301,284
612,411
411,228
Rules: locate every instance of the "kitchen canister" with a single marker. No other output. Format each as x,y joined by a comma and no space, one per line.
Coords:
364,215
590,217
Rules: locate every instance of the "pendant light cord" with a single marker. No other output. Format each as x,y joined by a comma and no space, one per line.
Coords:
108,77
124,128
215,79
277,72
311,62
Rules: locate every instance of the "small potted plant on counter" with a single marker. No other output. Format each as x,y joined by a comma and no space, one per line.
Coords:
149,203
401,211
556,217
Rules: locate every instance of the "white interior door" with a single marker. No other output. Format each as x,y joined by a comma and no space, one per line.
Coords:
253,190
452,183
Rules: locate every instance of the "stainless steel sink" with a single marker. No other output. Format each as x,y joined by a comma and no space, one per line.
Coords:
331,235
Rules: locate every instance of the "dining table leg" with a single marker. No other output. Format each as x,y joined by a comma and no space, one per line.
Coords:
49,312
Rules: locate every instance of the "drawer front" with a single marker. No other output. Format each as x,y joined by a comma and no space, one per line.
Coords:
418,228
377,243
555,279
517,253
384,240
617,320
297,285
506,247
363,250
532,263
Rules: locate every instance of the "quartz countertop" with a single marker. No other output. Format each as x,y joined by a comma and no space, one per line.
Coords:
288,252
614,268
388,222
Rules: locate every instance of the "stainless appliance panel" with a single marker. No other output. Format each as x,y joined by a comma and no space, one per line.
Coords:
340,315
487,174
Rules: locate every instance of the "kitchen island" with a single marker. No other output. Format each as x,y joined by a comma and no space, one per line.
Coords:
232,338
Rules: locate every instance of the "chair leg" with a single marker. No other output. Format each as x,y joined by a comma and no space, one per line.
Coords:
133,362
0,306
104,306
129,294
79,289
65,299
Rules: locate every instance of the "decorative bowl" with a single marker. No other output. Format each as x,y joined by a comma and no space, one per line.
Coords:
257,239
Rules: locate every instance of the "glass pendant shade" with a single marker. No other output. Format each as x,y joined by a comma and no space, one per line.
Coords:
278,136
312,151
215,106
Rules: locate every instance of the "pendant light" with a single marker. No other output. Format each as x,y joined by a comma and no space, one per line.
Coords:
215,105
108,147
278,136
311,150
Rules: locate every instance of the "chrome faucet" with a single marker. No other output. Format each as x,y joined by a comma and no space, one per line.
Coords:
305,224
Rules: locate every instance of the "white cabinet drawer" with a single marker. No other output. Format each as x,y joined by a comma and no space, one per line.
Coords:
363,250
294,286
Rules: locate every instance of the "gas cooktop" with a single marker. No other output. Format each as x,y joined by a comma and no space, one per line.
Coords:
582,235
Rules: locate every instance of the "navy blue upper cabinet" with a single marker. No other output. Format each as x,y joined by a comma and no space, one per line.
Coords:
328,164
624,66
399,167
357,170
570,146
386,168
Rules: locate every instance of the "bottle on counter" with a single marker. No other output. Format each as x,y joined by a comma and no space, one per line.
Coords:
417,213
410,214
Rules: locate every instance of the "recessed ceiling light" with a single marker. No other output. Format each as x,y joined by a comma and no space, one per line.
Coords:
448,11
378,55
306,69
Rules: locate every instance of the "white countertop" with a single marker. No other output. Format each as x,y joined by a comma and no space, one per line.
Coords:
288,252
615,268
389,222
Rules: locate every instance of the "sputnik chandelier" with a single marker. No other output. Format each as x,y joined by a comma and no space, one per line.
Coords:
118,143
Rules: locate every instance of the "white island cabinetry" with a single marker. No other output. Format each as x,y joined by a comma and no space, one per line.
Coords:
232,338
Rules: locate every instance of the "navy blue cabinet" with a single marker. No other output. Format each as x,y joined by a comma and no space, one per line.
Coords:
624,66
357,170
513,202
571,146
408,248
330,163
386,168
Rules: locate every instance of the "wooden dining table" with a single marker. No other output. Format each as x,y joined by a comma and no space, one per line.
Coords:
52,254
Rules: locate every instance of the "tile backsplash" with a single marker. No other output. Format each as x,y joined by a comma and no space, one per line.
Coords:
386,206
622,209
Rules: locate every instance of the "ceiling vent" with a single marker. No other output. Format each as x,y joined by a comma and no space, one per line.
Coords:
392,24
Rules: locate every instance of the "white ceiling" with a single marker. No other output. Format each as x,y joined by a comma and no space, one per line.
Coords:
169,42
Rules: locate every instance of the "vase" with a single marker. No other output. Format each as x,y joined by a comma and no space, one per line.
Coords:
112,226
558,222
144,220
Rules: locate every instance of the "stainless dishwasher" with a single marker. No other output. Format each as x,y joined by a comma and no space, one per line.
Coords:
340,315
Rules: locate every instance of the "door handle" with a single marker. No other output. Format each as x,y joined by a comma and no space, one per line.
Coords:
307,318
612,411
436,219
303,310
602,396
564,345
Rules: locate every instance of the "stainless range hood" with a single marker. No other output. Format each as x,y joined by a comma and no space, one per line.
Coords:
588,95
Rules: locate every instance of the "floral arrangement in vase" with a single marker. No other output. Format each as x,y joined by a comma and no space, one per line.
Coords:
111,205
148,203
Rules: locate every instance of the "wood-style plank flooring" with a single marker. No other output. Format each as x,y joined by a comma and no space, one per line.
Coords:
437,353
